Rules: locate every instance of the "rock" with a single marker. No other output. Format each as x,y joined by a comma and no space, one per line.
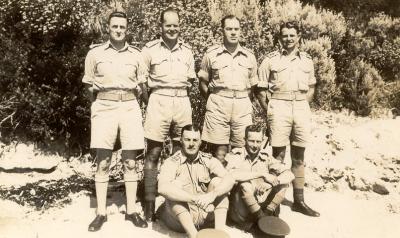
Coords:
356,183
380,189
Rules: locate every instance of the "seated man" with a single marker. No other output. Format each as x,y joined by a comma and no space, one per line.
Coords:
261,180
195,186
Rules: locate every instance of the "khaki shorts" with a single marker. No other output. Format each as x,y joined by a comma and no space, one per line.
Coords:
107,117
289,122
226,120
166,111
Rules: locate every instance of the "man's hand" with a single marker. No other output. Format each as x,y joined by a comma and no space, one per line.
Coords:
204,200
261,188
271,179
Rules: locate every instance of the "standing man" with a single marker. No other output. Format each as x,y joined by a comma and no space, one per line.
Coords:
195,186
228,75
170,65
113,73
261,180
289,75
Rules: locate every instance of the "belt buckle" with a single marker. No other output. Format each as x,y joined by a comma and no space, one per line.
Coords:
234,94
176,92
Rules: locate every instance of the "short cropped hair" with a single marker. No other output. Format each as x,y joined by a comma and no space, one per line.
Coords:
290,24
117,14
169,9
190,127
223,20
254,128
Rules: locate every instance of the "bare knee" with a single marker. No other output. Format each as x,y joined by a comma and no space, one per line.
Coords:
103,167
279,153
246,188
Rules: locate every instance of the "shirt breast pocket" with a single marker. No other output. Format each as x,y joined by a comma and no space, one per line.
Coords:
304,74
182,66
219,71
129,70
278,75
159,67
103,68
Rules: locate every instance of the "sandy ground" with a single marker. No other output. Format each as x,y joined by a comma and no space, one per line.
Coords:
343,215
347,160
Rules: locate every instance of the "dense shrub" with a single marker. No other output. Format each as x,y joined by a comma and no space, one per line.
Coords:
44,44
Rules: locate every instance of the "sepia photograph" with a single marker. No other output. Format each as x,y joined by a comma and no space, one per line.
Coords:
200,118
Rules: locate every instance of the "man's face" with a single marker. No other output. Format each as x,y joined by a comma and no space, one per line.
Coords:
289,38
170,27
231,31
117,29
190,141
253,142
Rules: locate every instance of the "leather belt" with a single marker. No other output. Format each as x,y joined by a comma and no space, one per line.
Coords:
173,92
231,93
289,96
118,97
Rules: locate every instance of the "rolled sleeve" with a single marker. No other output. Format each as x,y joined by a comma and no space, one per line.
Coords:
167,171
142,72
90,68
312,80
263,73
204,72
276,166
254,80
217,168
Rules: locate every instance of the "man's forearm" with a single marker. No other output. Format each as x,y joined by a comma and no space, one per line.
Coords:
174,193
242,176
310,94
203,87
91,91
224,186
286,177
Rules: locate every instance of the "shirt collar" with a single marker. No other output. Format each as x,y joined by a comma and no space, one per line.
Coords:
284,52
239,49
178,44
109,45
247,156
184,158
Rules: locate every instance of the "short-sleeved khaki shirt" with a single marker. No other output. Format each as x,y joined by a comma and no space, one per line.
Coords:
169,68
240,159
223,70
287,74
108,68
193,177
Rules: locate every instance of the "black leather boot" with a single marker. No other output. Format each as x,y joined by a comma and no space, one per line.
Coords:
300,206
149,211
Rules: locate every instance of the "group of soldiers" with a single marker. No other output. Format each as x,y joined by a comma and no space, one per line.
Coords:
223,166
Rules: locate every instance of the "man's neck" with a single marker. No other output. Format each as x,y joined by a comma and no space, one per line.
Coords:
251,156
291,51
170,43
190,158
118,45
231,47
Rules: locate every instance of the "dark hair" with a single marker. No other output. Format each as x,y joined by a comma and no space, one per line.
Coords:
254,128
169,9
190,127
117,14
291,24
228,17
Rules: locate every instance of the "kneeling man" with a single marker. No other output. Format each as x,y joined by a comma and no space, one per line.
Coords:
261,180
195,186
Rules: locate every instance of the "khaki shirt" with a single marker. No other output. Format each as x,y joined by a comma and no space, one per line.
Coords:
108,68
239,159
193,177
170,68
223,70
287,74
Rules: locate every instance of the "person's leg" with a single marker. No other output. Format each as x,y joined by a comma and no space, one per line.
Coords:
216,149
101,184
181,211
150,177
274,199
221,205
247,191
279,153
131,178
297,154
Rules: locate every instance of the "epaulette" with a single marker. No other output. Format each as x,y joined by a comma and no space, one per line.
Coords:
96,45
152,43
186,45
237,151
212,48
272,54
249,50
305,54
176,156
134,47
205,155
